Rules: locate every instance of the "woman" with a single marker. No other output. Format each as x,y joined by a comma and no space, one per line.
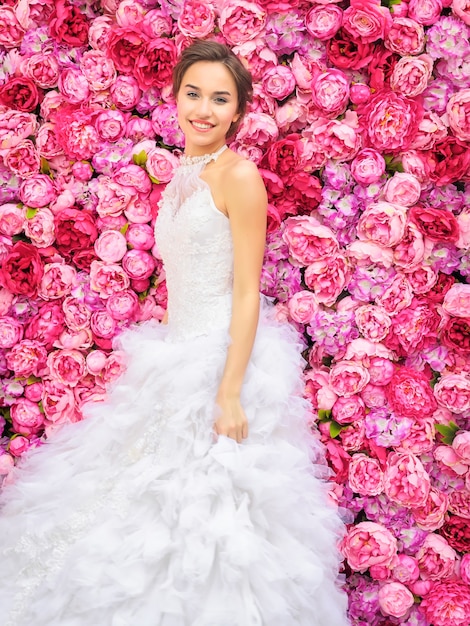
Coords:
190,497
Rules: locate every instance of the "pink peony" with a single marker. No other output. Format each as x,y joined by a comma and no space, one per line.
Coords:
160,164
365,475
11,31
302,307
405,569
11,219
323,22
411,75
382,223
406,481
26,358
11,331
431,515
456,300
395,599
37,191
348,409
367,166
308,240
58,402
123,305
241,20
196,19
66,366
327,278
402,189
57,281
452,391
107,278
26,417
279,82
405,37
368,544
410,394
330,92
366,20
436,559
348,378
373,322
111,246
397,296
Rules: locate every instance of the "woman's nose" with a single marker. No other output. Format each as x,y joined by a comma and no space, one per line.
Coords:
203,107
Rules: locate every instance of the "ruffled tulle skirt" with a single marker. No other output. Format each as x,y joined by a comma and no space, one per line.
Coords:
138,516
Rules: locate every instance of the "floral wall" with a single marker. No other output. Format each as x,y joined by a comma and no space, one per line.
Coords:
360,126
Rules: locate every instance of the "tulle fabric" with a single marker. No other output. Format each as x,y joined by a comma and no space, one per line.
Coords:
140,516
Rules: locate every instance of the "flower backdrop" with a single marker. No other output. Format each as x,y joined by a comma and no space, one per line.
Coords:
360,126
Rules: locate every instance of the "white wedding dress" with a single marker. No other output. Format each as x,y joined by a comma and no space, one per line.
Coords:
137,516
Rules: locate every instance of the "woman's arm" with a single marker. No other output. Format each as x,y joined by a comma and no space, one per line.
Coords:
246,204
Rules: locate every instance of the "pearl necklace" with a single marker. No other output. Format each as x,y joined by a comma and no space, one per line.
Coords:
203,159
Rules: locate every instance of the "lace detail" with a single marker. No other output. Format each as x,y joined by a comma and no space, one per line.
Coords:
187,160
194,240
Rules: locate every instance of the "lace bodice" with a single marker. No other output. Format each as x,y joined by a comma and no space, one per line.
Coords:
194,240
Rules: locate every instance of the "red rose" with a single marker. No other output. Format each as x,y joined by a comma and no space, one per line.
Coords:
47,325
305,192
456,334
380,67
284,156
22,270
452,161
20,93
68,25
124,46
410,394
75,231
346,53
457,532
154,65
438,291
435,224
83,258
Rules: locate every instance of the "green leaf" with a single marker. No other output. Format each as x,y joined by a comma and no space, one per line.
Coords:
335,429
324,414
123,230
154,180
30,213
448,432
140,158
45,169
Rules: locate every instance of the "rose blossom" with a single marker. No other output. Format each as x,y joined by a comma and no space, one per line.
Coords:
348,378
140,236
411,75
382,223
241,20
368,166
366,20
138,264
160,164
373,322
348,409
57,281
323,22
327,278
26,417
330,92
23,159
111,246
365,475
21,269
302,307
436,559
110,125
196,19
26,358
405,37
395,599
367,544
455,334
278,82
11,220
37,191
453,392
425,12
123,305
308,240
66,366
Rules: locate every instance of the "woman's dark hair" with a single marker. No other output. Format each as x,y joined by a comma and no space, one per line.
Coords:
217,53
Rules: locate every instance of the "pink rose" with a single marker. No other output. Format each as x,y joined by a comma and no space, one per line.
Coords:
160,164
368,544
327,278
11,32
279,82
110,125
405,37
11,219
18,445
456,300
461,445
23,159
395,599
323,22
140,236
107,279
111,246
406,481
373,322
11,331
15,126
125,92
348,409
26,417
318,389
57,281
425,12
308,240
409,252
402,114
26,358
98,70
197,19
431,515
452,391
436,559
66,366
397,296
348,378
37,191
138,264
58,402
73,85
461,9
123,305
402,189
102,325
303,306
330,92
368,166
365,475
382,223
366,20
411,75
241,21
405,569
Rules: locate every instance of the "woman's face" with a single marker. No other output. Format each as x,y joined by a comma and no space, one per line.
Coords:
207,102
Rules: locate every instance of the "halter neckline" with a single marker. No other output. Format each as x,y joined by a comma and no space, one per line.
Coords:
204,159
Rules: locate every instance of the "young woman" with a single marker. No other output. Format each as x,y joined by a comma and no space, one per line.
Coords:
191,497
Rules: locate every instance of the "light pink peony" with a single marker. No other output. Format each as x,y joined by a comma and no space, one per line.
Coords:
11,331
98,70
405,37
58,402
256,128
368,166
381,370
57,281
368,544
348,409
402,189
138,264
14,127
66,366
395,599
23,159
327,278
452,391
40,228
26,417
405,569
461,8
107,278
110,125
11,31
302,306
464,568
111,246
330,92
436,559
431,516
323,22
125,92
279,82
382,223
241,20
160,164
456,300
461,445
103,325
196,19
406,481
348,378
365,475
411,75
366,20
11,219
308,240
397,296
123,305
425,12
37,191
373,322
26,358
73,85
409,253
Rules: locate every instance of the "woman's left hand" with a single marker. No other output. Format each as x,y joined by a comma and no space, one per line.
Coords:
231,421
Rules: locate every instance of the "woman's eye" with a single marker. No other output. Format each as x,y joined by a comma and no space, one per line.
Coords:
191,94
221,100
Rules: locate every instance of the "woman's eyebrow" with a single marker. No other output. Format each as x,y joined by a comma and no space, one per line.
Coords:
216,93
